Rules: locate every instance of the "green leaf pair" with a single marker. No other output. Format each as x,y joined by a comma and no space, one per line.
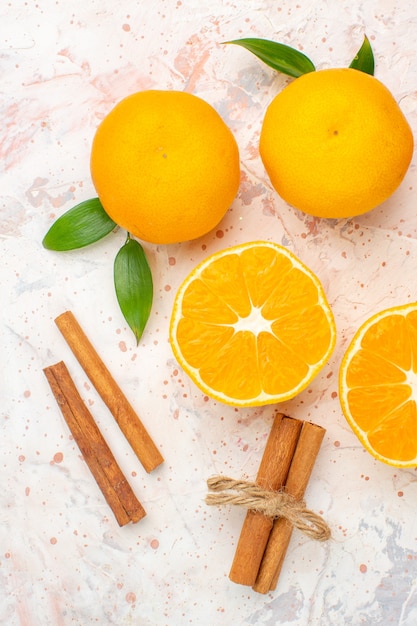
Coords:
87,223
293,62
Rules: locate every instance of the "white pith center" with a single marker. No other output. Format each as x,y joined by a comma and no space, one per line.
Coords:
411,379
254,322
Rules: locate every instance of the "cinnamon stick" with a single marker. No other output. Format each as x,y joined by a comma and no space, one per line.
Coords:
97,454
305,455
110,392
272,475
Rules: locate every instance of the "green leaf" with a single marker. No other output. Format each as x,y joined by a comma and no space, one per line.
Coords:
364,59
278,56
83,224
133,284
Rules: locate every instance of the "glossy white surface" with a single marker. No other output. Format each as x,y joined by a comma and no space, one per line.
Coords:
63,559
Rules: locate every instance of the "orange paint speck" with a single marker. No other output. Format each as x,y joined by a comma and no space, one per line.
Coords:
58,457
363,569
53,540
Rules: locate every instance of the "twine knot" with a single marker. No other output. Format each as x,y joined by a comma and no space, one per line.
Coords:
273,504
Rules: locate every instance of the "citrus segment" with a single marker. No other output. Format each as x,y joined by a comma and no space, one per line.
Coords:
251,325
217,374
196,337
378,385
315,332
225,276
335,143
200,302
280,367
165,165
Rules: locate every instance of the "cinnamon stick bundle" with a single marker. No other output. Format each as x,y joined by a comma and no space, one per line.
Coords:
272,475
97,454
274,502
110,392
302,464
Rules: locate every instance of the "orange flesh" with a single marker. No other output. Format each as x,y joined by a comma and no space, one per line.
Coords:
251,331
381,382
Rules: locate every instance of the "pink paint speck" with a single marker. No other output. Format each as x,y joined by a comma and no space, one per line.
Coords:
130,597
122,346
362,568
154,544
53,540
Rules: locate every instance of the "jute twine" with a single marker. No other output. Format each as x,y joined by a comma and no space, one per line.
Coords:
273,504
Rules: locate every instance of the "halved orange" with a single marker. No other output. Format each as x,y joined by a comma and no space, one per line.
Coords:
378,385
251,325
